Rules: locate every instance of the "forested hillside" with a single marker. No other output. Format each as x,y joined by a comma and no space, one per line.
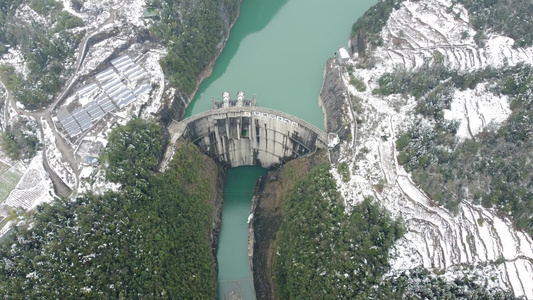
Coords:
324,252
148,240
511,18
47,48
366,30
506,17
193,31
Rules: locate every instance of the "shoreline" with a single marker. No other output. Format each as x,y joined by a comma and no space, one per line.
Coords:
181,100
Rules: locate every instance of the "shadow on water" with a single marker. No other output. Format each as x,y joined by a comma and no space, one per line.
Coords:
255,15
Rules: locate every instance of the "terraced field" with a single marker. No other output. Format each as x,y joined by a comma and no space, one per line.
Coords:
9,177
475,240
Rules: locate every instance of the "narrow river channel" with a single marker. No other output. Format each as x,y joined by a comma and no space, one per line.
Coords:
277,51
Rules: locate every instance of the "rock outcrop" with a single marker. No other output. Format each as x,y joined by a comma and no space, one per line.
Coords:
332,99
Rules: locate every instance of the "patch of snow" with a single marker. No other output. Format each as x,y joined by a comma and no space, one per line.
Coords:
94,13
27,14
416,33
525,267
514,278
99,52
67,6
55,158
85,172
157,80
93,179
70,99
12,114
15,59
124,115
4,102
97,13
85,100
6,227
476,109
133,11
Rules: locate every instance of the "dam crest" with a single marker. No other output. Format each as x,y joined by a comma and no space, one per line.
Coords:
238,133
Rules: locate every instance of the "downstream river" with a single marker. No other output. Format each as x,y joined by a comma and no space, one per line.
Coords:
277,50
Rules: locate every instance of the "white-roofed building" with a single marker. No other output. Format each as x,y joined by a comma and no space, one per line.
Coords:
342,55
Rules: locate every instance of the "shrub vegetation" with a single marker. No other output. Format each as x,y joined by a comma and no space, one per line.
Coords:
491,169
48,50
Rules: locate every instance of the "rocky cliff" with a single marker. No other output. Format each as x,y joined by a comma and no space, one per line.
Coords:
335,103
332,98
218,200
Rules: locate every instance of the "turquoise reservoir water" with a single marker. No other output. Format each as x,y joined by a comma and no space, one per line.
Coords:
276,50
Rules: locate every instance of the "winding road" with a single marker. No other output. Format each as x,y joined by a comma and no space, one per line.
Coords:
61,143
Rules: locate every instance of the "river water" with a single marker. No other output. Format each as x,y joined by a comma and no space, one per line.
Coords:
233,269
277,51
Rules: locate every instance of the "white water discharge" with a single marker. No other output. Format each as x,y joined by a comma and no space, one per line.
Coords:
476,240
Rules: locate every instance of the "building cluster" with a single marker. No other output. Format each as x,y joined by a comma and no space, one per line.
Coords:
115,88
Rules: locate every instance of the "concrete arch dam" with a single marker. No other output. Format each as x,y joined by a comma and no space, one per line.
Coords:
249,135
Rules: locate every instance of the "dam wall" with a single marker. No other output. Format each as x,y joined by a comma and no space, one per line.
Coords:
249,135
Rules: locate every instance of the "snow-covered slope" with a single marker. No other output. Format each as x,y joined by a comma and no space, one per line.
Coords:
476,240
476,109
109,28
418,30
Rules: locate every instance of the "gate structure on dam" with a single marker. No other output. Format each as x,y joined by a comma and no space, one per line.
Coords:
237,133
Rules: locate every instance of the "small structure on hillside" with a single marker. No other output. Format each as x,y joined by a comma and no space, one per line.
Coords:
333,140
92,161
150,13
342,56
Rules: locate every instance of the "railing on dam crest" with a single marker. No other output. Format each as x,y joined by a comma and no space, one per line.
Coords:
236,132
